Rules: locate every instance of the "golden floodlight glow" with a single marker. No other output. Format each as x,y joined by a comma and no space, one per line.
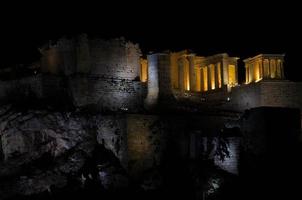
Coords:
198,79
144,70
232,75
219,75
186,76
212,75
205,78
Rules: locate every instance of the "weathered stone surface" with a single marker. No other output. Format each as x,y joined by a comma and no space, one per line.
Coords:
43,149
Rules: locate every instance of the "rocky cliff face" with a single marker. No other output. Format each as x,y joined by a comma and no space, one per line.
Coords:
44,151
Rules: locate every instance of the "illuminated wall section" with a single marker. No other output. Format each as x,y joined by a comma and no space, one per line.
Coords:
218,66
232,75
212,76
205,78
256,71
144,70
198,78
186,68
246,74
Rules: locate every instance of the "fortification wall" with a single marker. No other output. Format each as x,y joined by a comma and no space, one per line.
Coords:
104,94
282,94
114,58
266,93
244,97
107,94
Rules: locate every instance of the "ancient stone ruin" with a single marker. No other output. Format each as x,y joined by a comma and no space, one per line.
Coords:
94,113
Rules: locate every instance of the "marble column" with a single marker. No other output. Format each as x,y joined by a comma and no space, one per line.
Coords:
260,69
201,80
251,72
209,77
225,71
181,74
247,80
282,69
269,68
192,78
236,73
216,71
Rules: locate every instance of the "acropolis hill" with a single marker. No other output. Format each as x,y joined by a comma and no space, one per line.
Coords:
86,94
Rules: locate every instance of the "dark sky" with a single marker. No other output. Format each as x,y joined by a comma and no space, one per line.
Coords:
247,30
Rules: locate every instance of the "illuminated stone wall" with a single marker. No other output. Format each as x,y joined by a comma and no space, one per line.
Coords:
266,93
81,91
115,58
159,79
104,74
107,94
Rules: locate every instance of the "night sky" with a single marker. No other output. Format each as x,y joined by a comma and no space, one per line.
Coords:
253,28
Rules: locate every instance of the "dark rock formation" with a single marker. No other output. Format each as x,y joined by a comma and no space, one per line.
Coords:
43,151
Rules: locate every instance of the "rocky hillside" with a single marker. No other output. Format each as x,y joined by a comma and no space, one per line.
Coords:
44,152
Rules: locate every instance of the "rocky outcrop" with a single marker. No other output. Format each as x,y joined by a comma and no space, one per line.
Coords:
42,151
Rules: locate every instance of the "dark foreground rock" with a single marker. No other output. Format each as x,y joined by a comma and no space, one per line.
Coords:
45,152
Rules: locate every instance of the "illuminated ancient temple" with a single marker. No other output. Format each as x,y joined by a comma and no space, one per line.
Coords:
264,66
189,72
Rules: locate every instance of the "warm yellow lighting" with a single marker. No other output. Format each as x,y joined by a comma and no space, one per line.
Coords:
232,75
144,70
219,75
258,80
198,78
212,75
273,68
205,78
186,76
256,72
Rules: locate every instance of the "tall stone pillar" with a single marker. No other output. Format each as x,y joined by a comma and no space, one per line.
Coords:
221,74
247,80
153,81
192,73
209,77
282,69
269,68
236,73
225,71
181,74
202,80
251,73
260,63
216,71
